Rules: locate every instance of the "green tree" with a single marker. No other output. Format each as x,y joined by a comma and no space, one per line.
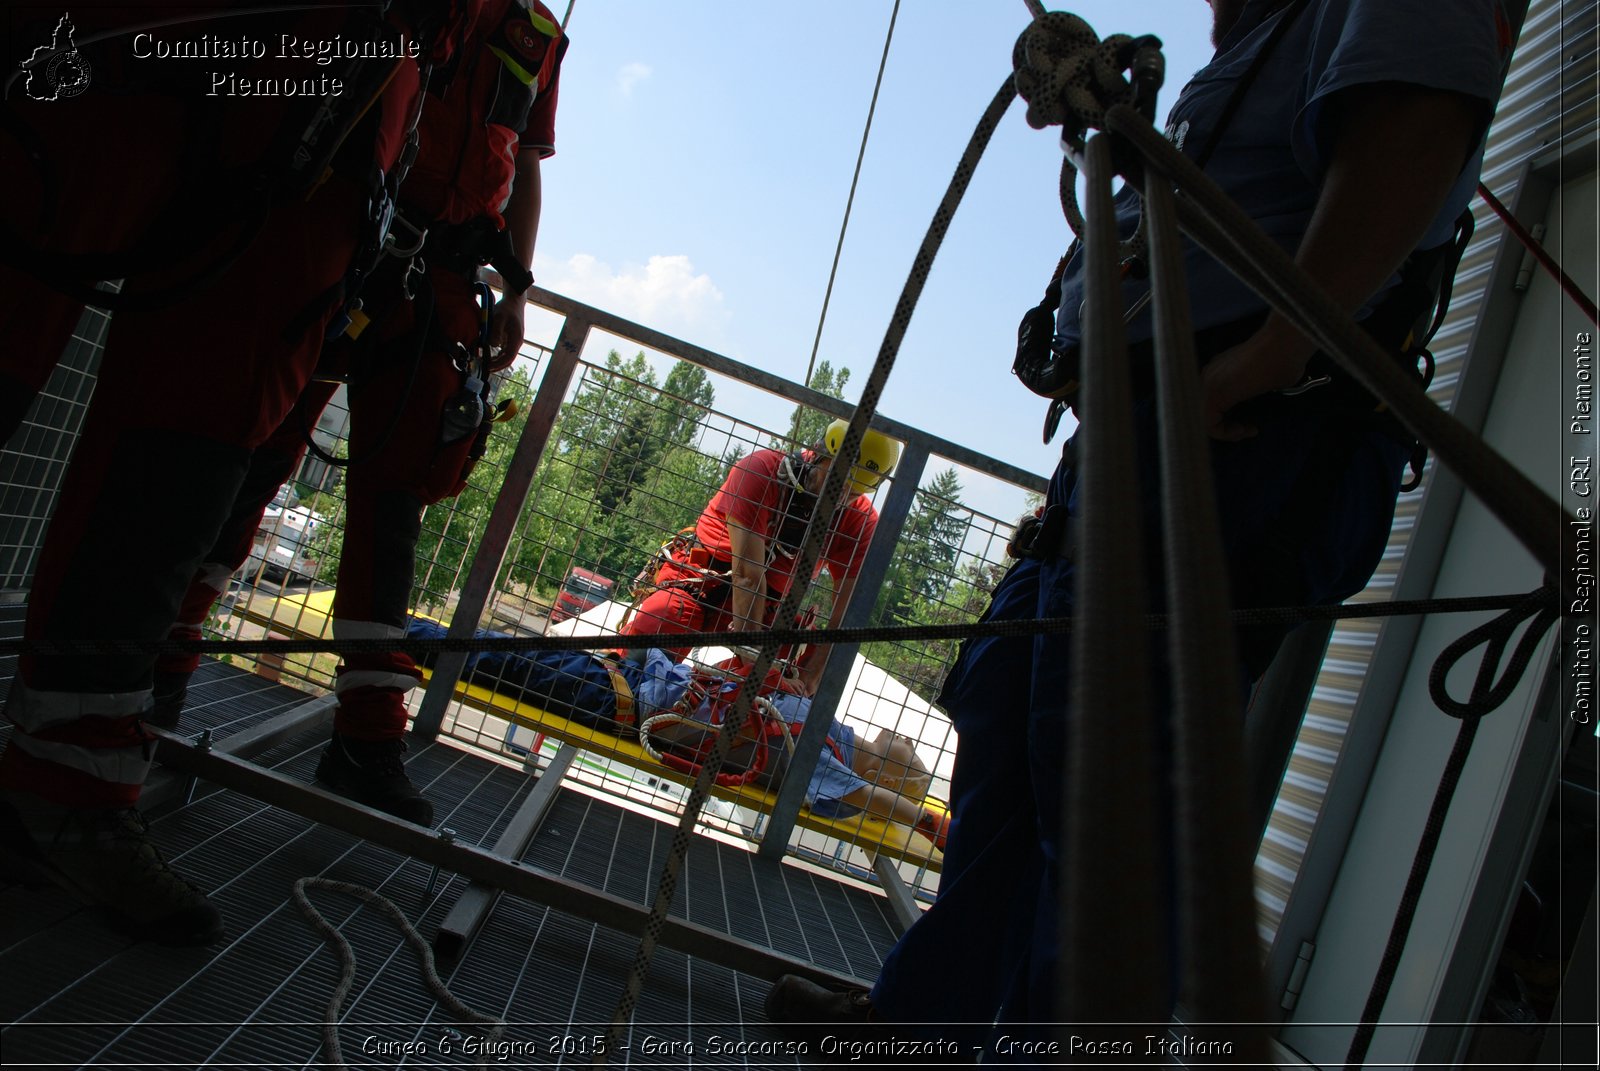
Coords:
921,666
925,560
623,474
807,424
686,397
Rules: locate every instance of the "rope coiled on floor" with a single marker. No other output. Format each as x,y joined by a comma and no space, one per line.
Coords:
347,963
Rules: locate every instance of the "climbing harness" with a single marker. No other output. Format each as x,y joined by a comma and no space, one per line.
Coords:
465,410
1042,368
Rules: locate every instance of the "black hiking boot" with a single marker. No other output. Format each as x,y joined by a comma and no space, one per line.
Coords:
371,772
171,690
105,858
795,1000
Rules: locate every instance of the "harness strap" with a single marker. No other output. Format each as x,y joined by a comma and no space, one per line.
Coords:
626,706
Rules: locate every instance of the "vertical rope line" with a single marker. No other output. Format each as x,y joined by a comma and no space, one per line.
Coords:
1216,896
1540,254
1114,955
844,225
807,557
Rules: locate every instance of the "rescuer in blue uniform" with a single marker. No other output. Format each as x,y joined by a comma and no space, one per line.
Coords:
1352,147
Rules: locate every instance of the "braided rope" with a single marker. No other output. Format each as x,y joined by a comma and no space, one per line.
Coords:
347,963
1271,615
764,707
810,552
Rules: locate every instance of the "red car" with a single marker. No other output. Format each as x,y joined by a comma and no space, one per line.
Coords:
580,591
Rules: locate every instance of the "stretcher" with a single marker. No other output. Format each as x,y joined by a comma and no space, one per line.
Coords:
306,616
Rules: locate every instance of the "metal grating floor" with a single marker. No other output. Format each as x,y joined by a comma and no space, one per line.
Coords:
75,993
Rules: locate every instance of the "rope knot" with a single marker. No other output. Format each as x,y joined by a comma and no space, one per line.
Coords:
1068,76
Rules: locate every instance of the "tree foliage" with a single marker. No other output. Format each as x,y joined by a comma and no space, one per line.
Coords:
625,469
924,567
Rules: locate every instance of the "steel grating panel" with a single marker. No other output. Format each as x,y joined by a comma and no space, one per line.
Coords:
74,993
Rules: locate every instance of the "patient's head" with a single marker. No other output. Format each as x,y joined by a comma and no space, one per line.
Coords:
890,761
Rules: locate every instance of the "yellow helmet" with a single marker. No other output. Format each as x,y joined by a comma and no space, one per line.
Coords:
877,458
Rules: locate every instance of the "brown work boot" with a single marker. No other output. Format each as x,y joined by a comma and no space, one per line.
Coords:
105,858
373,773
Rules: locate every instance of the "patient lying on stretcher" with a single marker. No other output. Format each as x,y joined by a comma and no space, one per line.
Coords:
670,706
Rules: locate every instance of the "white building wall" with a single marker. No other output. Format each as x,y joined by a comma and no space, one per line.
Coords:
1527,422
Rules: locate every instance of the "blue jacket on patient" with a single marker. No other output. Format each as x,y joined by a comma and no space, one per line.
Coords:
569,684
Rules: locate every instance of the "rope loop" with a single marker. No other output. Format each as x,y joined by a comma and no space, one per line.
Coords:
1494,635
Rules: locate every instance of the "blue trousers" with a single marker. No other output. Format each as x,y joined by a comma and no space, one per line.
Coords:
1305,509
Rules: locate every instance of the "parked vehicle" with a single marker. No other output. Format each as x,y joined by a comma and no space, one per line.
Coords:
580,591
284,543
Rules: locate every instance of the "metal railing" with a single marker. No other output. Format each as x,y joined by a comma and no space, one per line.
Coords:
610,456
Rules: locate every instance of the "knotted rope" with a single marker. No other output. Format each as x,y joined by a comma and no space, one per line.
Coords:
1069,78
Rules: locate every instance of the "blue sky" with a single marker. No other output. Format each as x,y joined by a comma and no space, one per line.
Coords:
705,150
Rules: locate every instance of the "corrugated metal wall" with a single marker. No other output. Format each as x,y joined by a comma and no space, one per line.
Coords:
1550,96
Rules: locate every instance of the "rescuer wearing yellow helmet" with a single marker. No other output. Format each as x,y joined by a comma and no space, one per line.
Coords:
739,564
877,458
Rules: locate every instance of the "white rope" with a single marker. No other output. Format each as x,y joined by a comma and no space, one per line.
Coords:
347,964
762,704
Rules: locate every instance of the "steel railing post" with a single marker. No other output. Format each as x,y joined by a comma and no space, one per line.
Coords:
503,520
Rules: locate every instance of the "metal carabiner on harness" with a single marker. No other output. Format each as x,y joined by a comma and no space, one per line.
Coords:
465,412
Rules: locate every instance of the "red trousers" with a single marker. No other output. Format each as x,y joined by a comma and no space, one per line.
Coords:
399,466
185,392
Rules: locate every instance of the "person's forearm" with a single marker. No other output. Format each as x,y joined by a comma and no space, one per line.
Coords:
748,606
748,577
1397,151
522,212
891,806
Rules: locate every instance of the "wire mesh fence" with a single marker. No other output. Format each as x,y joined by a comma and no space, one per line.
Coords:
640,446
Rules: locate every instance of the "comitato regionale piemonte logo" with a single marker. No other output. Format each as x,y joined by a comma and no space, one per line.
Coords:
58,70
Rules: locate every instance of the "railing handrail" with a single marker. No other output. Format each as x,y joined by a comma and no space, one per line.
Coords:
660,341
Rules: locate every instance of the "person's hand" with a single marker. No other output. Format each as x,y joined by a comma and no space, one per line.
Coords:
505,331
1271,359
